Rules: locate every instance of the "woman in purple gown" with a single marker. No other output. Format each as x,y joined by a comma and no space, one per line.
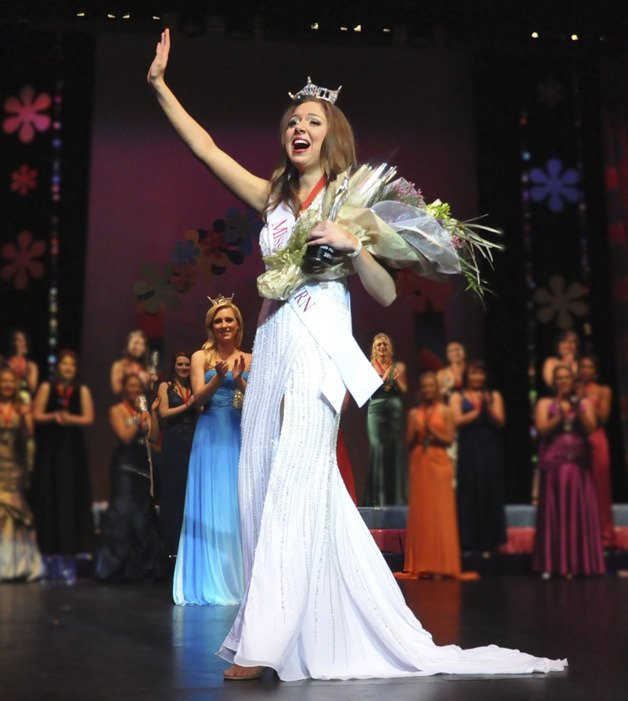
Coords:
567,527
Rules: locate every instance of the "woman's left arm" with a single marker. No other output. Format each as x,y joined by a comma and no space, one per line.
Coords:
495,407
400,377
375,279
587,415
604,405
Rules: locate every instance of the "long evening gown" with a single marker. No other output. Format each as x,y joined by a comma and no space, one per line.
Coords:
62,497
480,479
601,470
432,543
320,601
19,554
386,482
178,431
568,538
131,545
209,560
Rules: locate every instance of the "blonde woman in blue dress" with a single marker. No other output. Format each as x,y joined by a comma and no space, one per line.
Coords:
319,599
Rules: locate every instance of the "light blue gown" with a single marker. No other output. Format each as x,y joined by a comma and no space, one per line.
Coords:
209,559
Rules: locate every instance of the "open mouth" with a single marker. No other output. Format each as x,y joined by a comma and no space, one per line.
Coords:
300,145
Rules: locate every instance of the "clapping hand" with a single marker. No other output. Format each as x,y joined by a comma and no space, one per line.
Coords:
222,368
238,366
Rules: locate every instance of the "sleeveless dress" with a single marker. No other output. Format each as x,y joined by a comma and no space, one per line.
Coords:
320,601
432,543
178,431
601,469
131,545
387,482
209,558
62,497
480,466
19,554
567,539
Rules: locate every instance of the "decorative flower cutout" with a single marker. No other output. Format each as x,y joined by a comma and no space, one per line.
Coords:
22,259
550,92
25,114
560,301
155,289
555,184
185,252
24,179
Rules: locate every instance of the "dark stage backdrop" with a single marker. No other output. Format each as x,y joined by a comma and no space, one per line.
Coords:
160,227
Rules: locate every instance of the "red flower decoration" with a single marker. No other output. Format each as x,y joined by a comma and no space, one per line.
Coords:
22,260
26,115
23,180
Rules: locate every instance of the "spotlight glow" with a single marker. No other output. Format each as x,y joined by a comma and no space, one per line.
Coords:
535,35
574,37
314,25
357,28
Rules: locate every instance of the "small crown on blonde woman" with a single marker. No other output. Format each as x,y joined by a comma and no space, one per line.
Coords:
220,300
311,90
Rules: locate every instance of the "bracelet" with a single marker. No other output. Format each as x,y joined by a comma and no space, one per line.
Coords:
353,254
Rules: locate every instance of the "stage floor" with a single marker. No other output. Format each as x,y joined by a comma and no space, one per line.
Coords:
129,642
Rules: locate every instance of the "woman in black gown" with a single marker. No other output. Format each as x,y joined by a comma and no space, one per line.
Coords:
479,416
131,548
61,492
178,418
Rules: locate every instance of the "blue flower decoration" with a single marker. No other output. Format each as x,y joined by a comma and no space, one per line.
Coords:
185,252
556,184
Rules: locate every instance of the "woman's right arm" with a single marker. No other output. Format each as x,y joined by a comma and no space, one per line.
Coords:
543,422
124,430
203,391
39,405
165,410
252,190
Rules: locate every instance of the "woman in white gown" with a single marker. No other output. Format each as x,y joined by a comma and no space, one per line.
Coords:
320,601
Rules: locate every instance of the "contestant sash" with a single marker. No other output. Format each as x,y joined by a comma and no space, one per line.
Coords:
329,321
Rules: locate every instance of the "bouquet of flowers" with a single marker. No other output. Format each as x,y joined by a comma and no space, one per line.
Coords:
393,222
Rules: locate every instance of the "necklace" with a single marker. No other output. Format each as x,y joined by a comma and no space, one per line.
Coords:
184,392
65,393
426,412
18,365
132,411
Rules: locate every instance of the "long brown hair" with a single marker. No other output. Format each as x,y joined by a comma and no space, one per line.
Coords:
337,155
210,348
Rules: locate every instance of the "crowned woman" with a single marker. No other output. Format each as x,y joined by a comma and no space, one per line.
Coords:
319,599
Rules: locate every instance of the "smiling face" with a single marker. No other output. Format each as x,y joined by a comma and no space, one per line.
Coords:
20,345
8,385
563,381
182,367
428,386
568,346
225,326
455,353
132,389
587,370
136,347
305,134
476,378
66,368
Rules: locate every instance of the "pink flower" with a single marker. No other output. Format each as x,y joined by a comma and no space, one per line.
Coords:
23,180
22,261
25,114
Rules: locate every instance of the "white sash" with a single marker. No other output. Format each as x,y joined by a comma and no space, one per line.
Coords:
325,313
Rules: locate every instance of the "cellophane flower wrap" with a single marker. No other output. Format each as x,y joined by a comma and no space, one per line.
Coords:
393,222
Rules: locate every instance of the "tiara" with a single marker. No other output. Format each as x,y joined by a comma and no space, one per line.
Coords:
311,90
220,300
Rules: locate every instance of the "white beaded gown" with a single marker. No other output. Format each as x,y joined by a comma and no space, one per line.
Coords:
320,601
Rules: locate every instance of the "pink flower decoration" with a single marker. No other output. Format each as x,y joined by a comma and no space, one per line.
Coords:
25,114
22,261
23,180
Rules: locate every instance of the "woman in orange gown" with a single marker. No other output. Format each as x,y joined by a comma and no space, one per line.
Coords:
432,542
